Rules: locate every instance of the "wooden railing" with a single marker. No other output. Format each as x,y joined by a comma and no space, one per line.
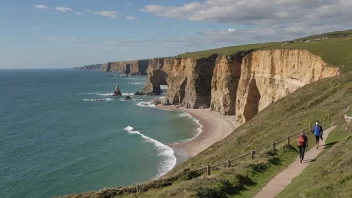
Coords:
253,153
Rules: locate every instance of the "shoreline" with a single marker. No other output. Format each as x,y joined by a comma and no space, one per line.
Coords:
215,127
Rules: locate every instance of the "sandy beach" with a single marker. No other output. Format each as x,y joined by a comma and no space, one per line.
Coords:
215,128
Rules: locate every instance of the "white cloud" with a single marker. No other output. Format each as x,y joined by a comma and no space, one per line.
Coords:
105,13
41,6
79,13
261,20
130,18
63,9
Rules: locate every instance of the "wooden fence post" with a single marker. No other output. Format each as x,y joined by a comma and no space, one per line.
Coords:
252,154
208,170
228,163
288,140
274,146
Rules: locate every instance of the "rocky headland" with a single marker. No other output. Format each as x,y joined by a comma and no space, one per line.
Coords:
136,67
241,84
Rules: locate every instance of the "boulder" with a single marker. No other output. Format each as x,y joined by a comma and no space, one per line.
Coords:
117,91
164,101
138,93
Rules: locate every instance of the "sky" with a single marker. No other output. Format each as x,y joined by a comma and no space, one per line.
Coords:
70,33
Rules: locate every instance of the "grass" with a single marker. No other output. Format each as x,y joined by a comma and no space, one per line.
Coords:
349,113
330,175
328,34
227,50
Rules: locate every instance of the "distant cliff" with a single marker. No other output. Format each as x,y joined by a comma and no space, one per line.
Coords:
91,67
241,84
137,67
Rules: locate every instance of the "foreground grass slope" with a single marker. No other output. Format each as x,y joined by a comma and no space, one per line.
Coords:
331,174
280,119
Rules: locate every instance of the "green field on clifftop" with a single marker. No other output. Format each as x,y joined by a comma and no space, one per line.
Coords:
227,50
279,120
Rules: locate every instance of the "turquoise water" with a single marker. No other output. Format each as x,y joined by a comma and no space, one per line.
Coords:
56,140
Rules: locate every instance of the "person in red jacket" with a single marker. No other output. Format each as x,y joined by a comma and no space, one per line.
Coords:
302,144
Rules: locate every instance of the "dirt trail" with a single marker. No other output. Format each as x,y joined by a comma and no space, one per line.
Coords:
284,178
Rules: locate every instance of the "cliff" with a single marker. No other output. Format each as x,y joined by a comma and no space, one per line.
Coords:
137,67
269,75
241,84
188,80
224,84
91,67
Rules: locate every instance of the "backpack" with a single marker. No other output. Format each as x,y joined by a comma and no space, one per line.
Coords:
301,140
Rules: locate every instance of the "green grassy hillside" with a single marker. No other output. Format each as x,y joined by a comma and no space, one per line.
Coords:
335,34
227,50
331,174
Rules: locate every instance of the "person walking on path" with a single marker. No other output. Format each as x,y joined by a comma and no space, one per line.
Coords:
302,145
318,133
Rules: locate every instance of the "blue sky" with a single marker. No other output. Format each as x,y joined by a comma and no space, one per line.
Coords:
36,34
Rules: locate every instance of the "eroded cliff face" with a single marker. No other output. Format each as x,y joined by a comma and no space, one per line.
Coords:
269,75
137,67
224,84
188,80
157,73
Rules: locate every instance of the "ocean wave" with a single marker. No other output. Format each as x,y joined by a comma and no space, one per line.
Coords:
163,87
127,94
123,99
101,94
98,100
135,78
163,150
146,104
136,83
199,129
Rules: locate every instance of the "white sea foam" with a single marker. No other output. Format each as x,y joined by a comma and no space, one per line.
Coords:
98,100
127,94
163,86
146,104
89,100
199,129
101,94
163,150
137,83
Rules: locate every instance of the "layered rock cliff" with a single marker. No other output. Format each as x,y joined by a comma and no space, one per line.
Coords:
224,84
188,80
269,75
156,76
137,67
241,84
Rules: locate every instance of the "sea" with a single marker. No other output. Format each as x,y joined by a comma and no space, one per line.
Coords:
62,132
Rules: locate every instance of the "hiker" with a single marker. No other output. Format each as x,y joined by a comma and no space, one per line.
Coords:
302,144
318,132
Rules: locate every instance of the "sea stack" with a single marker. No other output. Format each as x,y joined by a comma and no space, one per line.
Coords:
117,91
